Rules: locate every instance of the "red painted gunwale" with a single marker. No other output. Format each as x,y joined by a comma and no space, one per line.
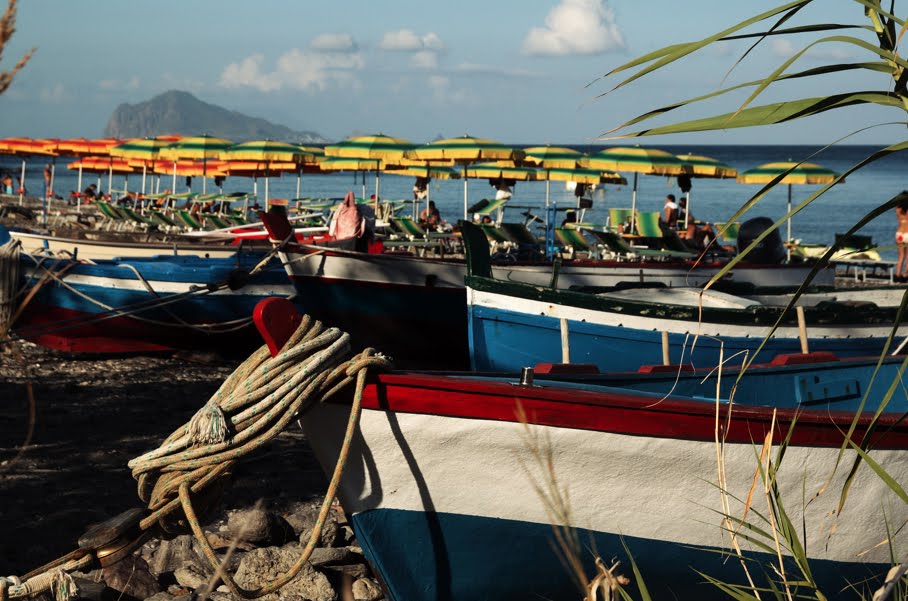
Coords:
622,413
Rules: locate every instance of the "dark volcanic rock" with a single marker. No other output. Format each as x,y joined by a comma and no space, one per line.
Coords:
176,112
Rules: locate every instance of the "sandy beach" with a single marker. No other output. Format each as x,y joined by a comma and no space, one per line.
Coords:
91,416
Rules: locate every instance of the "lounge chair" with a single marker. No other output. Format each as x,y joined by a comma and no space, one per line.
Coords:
619,246
112,214
573,241
163,221
409,229
488,206
730,233
216,221
189,220
648,225
618,217
136,219
498,240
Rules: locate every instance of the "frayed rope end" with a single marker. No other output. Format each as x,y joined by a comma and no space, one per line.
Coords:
208,425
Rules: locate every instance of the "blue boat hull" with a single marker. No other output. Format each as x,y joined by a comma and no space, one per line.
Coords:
436,556
502,340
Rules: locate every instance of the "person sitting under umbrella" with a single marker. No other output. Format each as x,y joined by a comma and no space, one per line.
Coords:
430,216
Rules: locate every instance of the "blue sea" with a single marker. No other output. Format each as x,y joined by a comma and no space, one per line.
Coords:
710,199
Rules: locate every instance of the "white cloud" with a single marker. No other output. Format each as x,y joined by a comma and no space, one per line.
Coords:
117,85
575,27
334,42
52,95
406,40
493,71
444,93
424,59
295,69
786,49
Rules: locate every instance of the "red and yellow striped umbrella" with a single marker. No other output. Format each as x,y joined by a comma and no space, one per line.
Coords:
203,148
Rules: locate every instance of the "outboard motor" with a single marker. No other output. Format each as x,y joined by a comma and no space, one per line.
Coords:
769,250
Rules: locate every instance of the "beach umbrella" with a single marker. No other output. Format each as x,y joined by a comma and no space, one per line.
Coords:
265,152
465,150
25,147
144,150
648,161
257,169
355,165
795,173
312,157
702,167
551,157
197,147
387,149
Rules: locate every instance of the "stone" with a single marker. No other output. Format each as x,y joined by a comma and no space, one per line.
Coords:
262,566
365,589
162,596
131,576
191,576
91,590
173,553
304,522
259,527
332,556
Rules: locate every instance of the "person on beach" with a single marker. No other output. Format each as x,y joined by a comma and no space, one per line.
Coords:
682,213
430,216
670,212
48,181
421,188
901,240
90,193
502,190
6,184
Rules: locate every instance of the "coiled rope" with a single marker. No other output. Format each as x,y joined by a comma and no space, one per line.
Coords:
253,405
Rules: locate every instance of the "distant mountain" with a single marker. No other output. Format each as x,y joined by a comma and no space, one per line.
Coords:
182,113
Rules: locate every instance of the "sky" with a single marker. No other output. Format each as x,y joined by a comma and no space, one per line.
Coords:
516,72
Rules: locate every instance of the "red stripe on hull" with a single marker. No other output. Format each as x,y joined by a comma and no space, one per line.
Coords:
630,414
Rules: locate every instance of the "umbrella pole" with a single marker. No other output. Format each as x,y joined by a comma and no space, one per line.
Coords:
53,175
364,185
174,189
548,184
110,181
634,205
377,189
465,178
788,226
299,178
79,190
687,210
22,185
205,176
144,173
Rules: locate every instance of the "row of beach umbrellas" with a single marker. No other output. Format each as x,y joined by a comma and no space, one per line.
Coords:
209,156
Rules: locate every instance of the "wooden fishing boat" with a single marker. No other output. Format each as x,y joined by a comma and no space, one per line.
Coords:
145,304
514,325
414,306
447,501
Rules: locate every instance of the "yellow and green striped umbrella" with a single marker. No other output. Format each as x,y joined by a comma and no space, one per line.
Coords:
703,166
553,157
465,150
146,150
792,173
198,147
498,171
649,161
264,151
387,150
434,172
582,176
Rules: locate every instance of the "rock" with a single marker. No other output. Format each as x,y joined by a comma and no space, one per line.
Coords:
171,554
342,577
91,590
250,525
366,589
162,596
258,527
131,576
262,566
303,521
346,536
191,576
332,556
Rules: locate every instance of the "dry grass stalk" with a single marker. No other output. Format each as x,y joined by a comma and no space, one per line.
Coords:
7,28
